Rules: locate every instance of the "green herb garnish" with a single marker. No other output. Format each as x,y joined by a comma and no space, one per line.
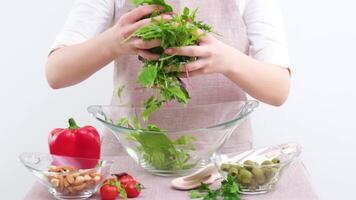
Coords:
229,190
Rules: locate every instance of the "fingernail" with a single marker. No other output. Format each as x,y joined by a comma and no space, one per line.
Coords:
161,7
168,51
167,17
169,13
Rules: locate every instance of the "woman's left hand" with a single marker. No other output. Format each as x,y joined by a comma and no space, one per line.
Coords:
213,56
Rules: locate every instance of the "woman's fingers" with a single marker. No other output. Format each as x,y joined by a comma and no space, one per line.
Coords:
138,13
141,44
195,65
204,37
147,55
198,72
191,51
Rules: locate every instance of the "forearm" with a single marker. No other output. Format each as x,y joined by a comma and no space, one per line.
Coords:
265,82
70,65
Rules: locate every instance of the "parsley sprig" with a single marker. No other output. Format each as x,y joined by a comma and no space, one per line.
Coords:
229,190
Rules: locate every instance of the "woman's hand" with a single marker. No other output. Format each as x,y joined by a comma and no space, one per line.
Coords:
213,56
69,65
127,25
266,82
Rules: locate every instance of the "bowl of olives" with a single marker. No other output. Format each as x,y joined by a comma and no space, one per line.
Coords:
257,170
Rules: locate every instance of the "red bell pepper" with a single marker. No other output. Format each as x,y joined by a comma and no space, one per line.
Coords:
75,142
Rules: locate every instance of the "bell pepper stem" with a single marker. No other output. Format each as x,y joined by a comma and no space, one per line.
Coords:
72,124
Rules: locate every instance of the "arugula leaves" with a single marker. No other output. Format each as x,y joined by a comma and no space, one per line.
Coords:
163,74
229,190
168,8
148,75
151,105
158,149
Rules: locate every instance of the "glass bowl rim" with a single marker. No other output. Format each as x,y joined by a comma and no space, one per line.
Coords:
249,106
101,160
282,163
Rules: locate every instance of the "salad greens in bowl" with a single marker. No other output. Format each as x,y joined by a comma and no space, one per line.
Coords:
174,140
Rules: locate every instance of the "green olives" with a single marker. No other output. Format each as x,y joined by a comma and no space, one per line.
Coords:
267,162
245,176
276,161
225,167
252,175
270,172
233,171
253,185
259,175
238,167
248,164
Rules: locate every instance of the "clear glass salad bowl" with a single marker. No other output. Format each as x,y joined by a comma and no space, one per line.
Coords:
175,140
62,176
259,169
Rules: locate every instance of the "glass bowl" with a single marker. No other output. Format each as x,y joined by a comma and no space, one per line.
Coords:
186,139
67,181
258,170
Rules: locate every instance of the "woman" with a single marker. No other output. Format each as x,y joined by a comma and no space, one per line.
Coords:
251,56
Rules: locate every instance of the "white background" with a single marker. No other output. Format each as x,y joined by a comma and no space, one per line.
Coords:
320,113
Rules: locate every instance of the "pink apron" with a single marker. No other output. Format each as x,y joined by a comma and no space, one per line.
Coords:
226,20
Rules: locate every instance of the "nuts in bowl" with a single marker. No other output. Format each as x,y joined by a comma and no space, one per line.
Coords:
67,182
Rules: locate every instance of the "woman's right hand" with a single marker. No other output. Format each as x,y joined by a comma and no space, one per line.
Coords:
71,64
127,25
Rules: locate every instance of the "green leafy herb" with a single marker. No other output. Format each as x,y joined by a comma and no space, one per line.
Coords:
229,190
159,150
195,194
120,90
148,75
168,8
151,105
123,122
163,75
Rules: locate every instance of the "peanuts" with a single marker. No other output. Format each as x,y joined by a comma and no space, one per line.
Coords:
55,182
79,180
87,177
70,180
61,169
